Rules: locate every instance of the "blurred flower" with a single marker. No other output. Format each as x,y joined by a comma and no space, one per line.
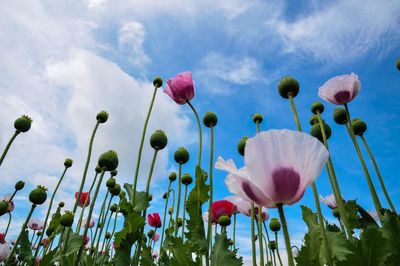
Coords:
37,260
340,89
155,254
45,242
2,238
85,240
374,215
241,205
154,220
220,208
156,237
181,87
10,203
5,249
82,200
91,224
35,224
205,218
264,214
329,201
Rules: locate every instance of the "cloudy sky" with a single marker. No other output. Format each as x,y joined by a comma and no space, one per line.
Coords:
61,62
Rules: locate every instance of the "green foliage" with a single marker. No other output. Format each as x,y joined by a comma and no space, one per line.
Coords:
221,255
146,257
391,232
351,214
25,247
181,252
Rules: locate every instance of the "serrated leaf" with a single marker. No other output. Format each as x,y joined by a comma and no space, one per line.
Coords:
391,231
25,247
181,252
221,255
373,247
74,244
366,220
339,246
141,201
146,257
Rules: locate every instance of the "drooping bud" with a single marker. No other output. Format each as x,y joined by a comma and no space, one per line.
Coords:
340,116
274,225
317,132
114,207
3,207
23,124
224,220
158,140
180,222
359,126
187,179
108,235
157,82
313,120
68,162
97,169
67,219
61,204
258,118
38,196
19,185
108,160
170,211
181,156
288,86
150,233
317,107
102,117
165,195
210,119
242,145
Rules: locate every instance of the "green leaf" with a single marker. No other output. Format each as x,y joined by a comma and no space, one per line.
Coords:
221,255
339,246
366,220
373,247
25,247
141,201
74,243
181,252
391,231
47,259
351,209
146,257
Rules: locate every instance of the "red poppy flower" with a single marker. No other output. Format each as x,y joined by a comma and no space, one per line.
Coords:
154,220
84,199
2,238
220,208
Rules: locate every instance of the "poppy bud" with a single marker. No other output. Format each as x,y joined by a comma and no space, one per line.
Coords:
122,194
19,185
170,211
150,233
98,169
359,126
23,124
224,220
313,120
68,162
288,86
102,116
61,204
272,245
181,156
231,242
108,235
258,118
115,190
67,219
317,107
38,196
180,222
317,133
340,116
187,179
150,197
39,233
49,231
157,82
398,64
210,119
336,213
114,207
111,182
158,140
108,160
274,225
172,176
113,173
165,195
242,145
3,207
99,224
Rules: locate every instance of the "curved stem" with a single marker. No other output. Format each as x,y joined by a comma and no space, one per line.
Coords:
179,198
273,253
253,242
184,213
209,231
11,254
286,235
200,133
266,249
103,223
9,145
8,224
267,234
165,216
141,144
99,221
277,249
296,117
378,173
260,235
153,161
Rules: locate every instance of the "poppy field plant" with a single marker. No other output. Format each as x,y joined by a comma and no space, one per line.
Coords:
197,226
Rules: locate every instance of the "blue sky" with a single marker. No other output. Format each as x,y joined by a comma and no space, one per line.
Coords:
62,62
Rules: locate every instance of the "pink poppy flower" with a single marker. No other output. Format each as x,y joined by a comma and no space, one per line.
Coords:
37,260
91,223
84,199
155,237
329,201
35,224
181,87
10,203
154,220
5,249
220,208
85,240
340,89
264,214
155,254
241,205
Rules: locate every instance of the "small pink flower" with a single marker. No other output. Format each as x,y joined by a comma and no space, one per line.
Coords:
35,224
155,254
91,223
85,240
38,259
154,220
10,203
181,87
5,249
264,214
340,89
329,201
84,199
156,237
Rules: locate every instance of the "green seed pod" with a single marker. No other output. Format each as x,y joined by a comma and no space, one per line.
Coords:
150,233
108,235
122,194
39,233
317,107
170,211
99,224
272,245
19,185
158,140
114,172
61,204
180,222
274,225
49,231
38,196
108,160
115,190
111,182
3,207
224,220
258,118
102,117
336,213
67,219
172,176
313,120
340,116
150,197
398,64
23,124
114,208
288,86
210,119
181,156
165,195
157,82
98,169
359,126
231,242
187,179
242,145
68,162
317,133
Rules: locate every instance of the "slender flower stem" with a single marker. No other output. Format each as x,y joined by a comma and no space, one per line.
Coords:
173,209
114,226
12,196
90,214
277,249
49,209
296,117
141,143
153,161
267,234
184,213
200,133
253,242
209,223
260,235
8,146
286,235
266,249
258,127
179,198
11,254
234,231
99,221
273,253
8,224
78,227
103,223
105,240
33,235
378,173
165,215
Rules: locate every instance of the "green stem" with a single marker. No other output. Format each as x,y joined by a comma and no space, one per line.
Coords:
266,249
103,223
49,209
286,235
209,231
200,133
258,127
90,214
260,235
296,117
153,161
273,253
8,224
378,173
179,198
141,143
99,220
253,242
234,231
267,234
9,145
78,227
165,216
8,261
277,249
184,213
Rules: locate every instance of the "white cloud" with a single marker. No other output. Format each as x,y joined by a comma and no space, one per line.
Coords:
131,39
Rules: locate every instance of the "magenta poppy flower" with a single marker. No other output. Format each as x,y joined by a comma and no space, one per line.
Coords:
154,254
329,201
181,87
91,223
35,224
154,220
84,199
220,208
85,240
264,214
340,89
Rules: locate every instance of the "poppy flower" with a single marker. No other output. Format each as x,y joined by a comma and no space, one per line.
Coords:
264,214
340,89
329,201
91,223
154,255
181,87
5,249
240,205
84,199
155,237
35,224
221,208
2,238
7,199
154,220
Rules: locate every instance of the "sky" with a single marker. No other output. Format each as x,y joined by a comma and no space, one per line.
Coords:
61,62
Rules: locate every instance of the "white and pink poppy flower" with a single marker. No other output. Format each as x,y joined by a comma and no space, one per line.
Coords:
156,237
329,201
35,224
241,205
279,165
7,199
264,214
340,89
91,223
5,249
155,254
